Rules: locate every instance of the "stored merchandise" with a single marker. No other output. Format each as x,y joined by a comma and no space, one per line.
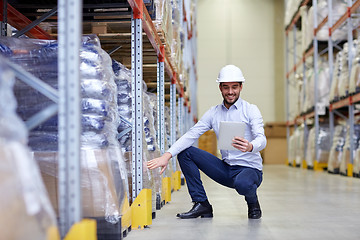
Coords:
26,211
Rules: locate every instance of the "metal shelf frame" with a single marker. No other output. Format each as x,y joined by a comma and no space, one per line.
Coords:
67,99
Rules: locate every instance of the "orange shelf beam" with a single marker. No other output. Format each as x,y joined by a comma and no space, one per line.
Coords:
149,28
19,21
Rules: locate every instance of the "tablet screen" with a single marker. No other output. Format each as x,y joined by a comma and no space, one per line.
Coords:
227,131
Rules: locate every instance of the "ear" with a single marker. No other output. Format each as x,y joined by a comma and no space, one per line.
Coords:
220,86
241,86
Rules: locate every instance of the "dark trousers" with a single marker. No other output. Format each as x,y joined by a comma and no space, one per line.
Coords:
244,180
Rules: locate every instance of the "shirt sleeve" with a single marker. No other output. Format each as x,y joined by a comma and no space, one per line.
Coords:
257,129
188,139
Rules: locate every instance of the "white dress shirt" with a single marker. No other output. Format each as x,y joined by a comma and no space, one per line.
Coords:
240,111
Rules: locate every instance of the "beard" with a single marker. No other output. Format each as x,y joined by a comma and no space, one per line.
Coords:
232,101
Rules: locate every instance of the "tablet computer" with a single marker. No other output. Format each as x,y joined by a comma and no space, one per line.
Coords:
227,131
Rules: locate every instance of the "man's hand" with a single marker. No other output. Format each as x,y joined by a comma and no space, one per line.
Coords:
242,144
159,162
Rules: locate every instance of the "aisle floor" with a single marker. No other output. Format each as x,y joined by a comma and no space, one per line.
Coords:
296,203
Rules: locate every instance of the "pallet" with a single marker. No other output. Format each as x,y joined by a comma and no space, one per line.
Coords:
107,230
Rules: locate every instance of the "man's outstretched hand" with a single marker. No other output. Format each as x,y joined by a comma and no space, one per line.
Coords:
159,162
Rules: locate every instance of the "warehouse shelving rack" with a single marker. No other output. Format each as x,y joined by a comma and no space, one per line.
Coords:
349,101
144,40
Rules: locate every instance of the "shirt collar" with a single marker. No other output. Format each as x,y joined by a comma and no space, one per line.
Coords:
237,104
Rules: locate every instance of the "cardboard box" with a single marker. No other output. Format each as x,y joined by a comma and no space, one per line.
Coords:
275,151
208,142
99,197
275,130
25,210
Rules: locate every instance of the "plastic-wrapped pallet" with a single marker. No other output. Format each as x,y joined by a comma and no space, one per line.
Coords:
334,91
336,150
292,149
323,143
163,20
356,169
176,45
299,157
323,87
309,91
310,149
26,211
153,150
151,179
345,159
339,8
290,9
102,182
343,81
354,84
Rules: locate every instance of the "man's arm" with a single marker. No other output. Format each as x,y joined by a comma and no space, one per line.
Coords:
183,143
257,129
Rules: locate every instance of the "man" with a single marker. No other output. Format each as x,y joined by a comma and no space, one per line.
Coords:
240,169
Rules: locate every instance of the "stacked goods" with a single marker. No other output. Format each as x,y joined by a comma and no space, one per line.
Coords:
162,20
356,170
343,81
334,92
336,150
292,149
307,22
290,10
354,85
299,132
345,159
103,180
323,144
178,35
26,211
323,87
342,84
151,179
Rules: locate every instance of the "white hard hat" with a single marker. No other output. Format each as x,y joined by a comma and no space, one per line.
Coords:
230,73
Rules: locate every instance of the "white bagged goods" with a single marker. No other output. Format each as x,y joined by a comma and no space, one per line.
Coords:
336,150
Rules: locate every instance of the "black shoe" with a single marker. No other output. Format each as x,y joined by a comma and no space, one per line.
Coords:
198,210
254,210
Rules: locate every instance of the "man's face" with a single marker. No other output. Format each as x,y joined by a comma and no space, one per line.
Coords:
230,92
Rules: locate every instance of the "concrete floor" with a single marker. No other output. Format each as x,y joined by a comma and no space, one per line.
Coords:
296,203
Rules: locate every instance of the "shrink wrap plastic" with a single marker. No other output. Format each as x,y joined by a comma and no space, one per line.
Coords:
323,143
334,91
39,57
344,80
323,88
290,10
292,149
339,8
345,158
336,150
299,133
163,19
354,85
103,173
151,179
26,211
